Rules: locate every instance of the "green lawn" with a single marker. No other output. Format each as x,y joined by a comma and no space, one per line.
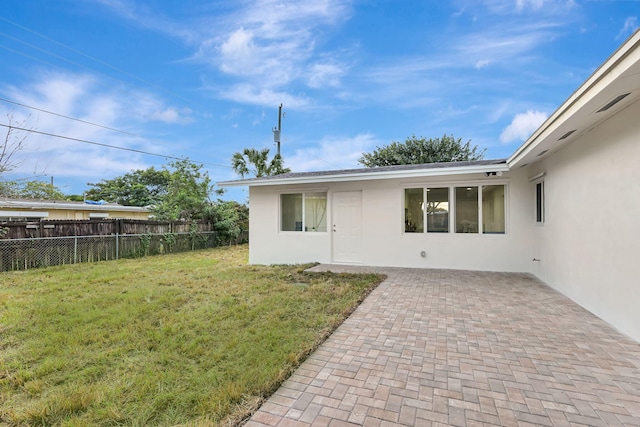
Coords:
197,338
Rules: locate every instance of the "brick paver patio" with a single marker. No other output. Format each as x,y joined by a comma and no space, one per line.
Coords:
461,348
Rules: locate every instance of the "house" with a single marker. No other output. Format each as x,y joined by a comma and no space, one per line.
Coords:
565,206
33,210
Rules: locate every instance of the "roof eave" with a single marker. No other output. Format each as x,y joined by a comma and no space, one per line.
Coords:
578,98
78,207
368,176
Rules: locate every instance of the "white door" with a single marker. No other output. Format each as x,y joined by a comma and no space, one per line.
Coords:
347,227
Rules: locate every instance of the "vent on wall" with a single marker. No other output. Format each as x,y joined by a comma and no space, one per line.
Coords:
613,102
566,135
542,153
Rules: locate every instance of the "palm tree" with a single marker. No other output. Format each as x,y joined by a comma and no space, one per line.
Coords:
240,162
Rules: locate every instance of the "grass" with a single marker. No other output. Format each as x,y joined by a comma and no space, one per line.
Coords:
199,338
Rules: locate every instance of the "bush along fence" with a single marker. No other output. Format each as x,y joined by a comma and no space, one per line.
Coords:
23,254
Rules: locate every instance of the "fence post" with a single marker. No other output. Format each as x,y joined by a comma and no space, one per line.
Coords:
75,249
118,230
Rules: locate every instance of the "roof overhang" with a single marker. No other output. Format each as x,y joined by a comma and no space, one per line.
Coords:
367,175
62,205
618,79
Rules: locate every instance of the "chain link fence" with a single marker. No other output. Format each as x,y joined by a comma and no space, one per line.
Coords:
24,254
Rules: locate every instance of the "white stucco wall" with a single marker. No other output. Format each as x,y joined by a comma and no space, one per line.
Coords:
589,245
384,240
269,245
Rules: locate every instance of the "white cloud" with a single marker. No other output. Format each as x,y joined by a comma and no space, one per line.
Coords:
256,121
322,75
502,43
253,94
269,44
483,63
332,153
534,4
147,17
240,54
418,81
508,7
172,115
146,107
84,97
522,126
629,27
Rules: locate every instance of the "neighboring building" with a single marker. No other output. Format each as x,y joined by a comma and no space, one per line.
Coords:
33,210
565,206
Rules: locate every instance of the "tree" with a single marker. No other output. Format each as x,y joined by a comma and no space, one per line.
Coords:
421,150
31,190
230,219
137,188
187,195
241,162
13,143
180,190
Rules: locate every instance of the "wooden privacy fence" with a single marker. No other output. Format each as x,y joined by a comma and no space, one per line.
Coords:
23,254
98,227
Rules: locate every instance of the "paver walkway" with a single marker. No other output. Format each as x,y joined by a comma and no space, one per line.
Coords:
461,348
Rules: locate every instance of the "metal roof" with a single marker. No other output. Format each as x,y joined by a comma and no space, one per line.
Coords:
64,204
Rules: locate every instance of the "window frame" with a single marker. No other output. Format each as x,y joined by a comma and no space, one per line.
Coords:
481,207
405,219
478,200
303,194
540,213
449,210
478,184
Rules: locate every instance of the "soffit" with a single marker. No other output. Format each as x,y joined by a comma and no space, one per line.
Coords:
619,75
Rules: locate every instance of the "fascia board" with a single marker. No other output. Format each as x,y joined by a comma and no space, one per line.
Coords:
71,207
369,176
625,56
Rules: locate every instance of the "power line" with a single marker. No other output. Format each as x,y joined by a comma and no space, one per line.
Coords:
108,146
30,57
99,61
17,52
79,120
61,115
42,50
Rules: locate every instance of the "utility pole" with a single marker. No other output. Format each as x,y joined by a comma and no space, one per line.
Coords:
276,131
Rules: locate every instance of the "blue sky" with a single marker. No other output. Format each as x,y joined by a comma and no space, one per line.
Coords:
204,79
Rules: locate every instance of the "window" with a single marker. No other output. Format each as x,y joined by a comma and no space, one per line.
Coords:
493,209
291,212
315,212
540,202
474,209
438,210
414,210
303,212
466,209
